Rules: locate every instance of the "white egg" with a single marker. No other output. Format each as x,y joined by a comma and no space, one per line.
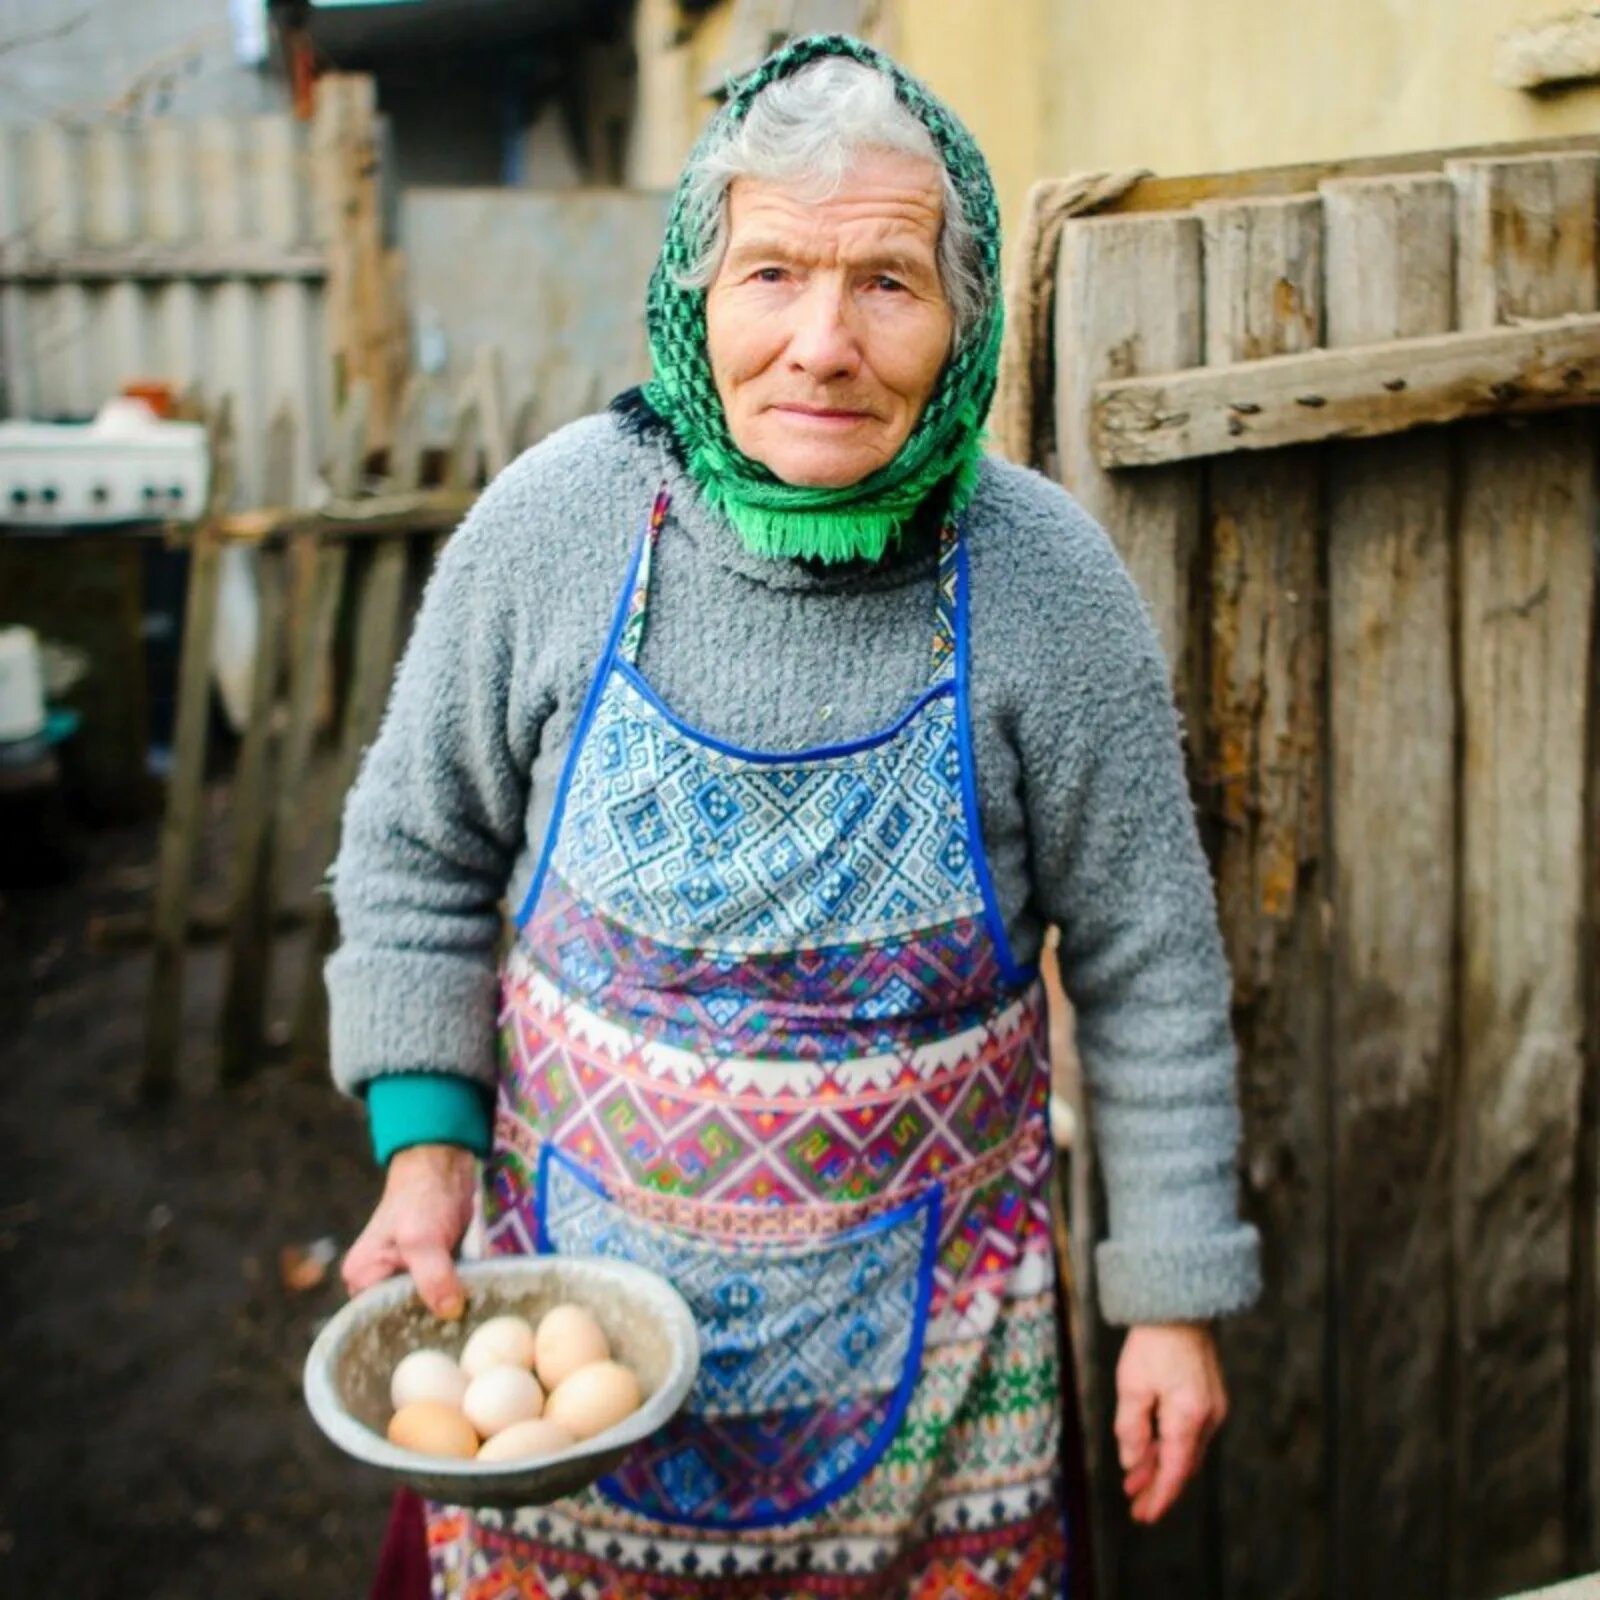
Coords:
500,1342
427,1375
569,1337
501,1396
526,1441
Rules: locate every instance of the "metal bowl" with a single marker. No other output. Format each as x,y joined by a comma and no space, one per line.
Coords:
347,1372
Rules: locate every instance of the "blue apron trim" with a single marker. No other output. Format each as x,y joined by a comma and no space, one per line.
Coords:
591,704
783,757
887,1409
1014,974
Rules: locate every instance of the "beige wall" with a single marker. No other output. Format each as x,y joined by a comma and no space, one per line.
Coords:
1197,85
986,60
1055,86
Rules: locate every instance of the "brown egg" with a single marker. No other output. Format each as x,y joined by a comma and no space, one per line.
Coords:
527,1441
593,1399
569,1337
432,1428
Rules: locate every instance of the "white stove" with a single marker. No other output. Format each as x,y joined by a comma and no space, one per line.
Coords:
127,465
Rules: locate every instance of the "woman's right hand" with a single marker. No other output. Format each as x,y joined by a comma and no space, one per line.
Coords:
425,1210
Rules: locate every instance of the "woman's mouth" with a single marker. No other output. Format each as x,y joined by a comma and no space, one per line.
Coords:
823,416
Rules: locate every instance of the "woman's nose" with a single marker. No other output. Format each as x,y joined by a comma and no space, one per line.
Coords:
822,342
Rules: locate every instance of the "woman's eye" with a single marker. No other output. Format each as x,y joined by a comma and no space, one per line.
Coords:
768,275
883,281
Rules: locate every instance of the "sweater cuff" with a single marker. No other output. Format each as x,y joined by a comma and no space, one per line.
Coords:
1178,1280
410,1011
407,1108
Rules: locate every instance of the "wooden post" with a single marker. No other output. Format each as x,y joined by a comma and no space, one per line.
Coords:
309,673
1263,265
348,449
494,420
409,445
377,641
184,814
1583,1494
180,824
251,916
1525,248
463,464
1128,302
525,422
1392,735
362,323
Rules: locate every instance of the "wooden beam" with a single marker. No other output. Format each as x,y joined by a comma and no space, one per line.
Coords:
1347,394
421,511
162,263
1306,177
1555,50
208,925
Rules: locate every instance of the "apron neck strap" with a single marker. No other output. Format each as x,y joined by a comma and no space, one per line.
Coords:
945,632
632,639
944,626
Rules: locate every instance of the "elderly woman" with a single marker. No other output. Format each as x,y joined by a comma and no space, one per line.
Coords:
786,721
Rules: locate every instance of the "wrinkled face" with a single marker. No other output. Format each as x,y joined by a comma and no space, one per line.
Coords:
826,323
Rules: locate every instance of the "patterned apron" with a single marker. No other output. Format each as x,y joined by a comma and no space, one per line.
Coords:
761,1032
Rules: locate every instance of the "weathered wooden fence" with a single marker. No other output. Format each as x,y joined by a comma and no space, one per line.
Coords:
363,557
1383,640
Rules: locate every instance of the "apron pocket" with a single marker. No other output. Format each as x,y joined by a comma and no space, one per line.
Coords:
809,1350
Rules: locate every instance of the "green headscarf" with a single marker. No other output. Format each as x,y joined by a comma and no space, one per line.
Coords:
860,520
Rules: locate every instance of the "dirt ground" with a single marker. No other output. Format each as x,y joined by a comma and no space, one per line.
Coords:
153,1442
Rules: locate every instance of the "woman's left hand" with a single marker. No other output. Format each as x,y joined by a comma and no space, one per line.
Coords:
1170,1403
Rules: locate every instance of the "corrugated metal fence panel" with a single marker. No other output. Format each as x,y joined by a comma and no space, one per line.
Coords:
554,282
213,188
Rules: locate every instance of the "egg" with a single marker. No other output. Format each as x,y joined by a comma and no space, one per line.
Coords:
568,1338
433,1429
526,1441
427,1375
501,1396
500,1342
593,1399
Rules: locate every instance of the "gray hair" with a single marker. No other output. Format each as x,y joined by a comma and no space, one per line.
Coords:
807,129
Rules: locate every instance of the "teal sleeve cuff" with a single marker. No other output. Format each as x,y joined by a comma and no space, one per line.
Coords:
410,1108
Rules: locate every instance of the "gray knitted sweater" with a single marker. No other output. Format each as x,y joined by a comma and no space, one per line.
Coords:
1086,817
